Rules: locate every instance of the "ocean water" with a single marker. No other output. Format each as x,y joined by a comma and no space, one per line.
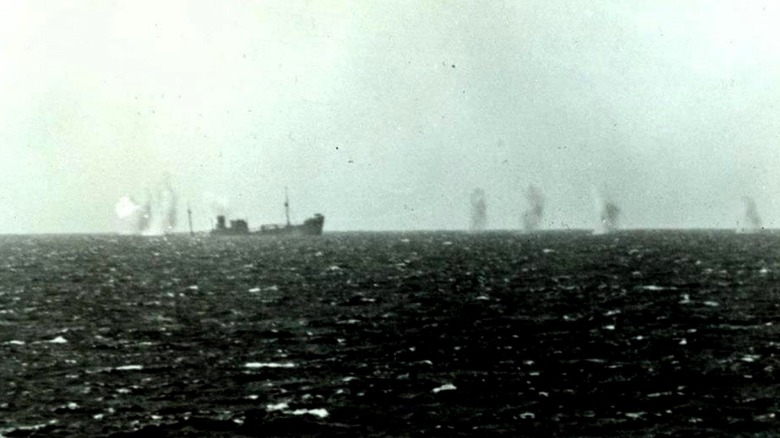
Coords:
391,334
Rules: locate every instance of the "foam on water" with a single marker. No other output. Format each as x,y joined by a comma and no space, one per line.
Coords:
635,415
446,387
269,365
656,288
283,407
32,428
129,368
322,413
277,407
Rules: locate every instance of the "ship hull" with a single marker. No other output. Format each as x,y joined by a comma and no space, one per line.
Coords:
310,227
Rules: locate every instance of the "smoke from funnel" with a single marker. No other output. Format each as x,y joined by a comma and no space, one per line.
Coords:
608,213
219,205
533,216
478,210
752,218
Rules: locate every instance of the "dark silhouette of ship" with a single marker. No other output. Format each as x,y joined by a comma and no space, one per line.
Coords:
240,227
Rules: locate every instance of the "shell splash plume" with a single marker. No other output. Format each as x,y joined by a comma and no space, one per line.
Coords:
156,216
478,210
608,215
752,222
532,217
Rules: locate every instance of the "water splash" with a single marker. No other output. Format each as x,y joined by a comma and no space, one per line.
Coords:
608,214
752,222
532,217
478,210
157,215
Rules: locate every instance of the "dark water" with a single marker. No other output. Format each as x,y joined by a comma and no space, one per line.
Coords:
634,334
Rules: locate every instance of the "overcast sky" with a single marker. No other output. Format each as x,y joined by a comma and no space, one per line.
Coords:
385,116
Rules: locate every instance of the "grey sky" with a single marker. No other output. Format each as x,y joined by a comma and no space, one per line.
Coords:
387,115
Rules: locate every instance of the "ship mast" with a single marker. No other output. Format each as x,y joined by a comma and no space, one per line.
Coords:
286,206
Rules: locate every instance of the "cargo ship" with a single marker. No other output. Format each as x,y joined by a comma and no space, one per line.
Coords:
240,227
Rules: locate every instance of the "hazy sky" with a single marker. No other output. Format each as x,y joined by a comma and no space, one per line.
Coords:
386,115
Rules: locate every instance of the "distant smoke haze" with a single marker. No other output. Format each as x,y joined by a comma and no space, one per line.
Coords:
752,218
532,217
478,210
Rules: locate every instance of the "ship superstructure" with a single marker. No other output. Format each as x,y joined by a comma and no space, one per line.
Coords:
310,227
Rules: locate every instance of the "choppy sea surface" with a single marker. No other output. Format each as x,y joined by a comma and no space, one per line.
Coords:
665,333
